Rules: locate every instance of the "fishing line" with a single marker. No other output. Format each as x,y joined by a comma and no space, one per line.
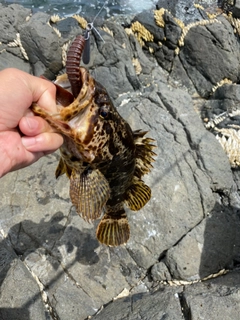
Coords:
90,27
99,11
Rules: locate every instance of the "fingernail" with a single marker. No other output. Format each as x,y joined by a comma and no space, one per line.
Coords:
28,141
32,123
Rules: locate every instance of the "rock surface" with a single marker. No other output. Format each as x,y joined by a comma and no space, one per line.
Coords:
51,265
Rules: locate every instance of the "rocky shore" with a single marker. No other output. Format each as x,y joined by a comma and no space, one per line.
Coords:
177,77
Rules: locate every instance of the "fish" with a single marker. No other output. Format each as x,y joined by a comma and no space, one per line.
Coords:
102,156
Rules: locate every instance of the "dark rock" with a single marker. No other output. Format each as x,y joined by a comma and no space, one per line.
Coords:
214,298
230,6
158,305
160,272
68,27
224,101
235,10
47,49
164,57
11,20
172,31
208,57
8,60
16,281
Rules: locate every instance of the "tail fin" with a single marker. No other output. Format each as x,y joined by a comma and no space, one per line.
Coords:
113,230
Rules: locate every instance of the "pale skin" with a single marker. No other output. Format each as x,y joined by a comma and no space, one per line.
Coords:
24,137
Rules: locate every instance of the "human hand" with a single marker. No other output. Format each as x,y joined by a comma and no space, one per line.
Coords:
24,138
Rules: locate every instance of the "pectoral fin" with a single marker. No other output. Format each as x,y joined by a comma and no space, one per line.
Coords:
89,193
113,230
137,195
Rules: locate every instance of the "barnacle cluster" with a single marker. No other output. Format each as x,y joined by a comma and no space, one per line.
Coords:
64,52
57,32
221,83
55,18
141,33
158,16
82,22
137,65
106,29
230,141
235,22
17,43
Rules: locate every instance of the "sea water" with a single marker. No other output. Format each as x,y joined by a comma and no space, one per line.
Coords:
86,8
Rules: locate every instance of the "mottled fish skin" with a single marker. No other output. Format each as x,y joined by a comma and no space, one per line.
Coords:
104,159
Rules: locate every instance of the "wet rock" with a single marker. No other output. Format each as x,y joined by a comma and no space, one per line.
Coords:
183,10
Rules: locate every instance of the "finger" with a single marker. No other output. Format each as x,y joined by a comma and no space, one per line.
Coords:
29,89
43,92
44,142
33,126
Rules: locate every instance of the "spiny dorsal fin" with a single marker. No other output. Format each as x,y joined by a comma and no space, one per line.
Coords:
113,230
89,193
144,153
137,195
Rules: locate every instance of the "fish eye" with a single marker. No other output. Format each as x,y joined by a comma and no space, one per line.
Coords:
104,111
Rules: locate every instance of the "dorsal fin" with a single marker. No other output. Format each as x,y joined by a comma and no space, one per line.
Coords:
144,153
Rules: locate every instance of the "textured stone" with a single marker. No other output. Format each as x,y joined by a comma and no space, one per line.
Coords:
214,299
47,49
158,305
209,57
20,297
11,20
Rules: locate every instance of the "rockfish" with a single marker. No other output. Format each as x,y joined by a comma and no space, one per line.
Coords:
103,158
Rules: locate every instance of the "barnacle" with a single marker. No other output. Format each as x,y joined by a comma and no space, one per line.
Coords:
221,83
230,141
128,31
137,65
158,15
28,17
180,23
83,23
55,18
217,119
64,52
198,6
57,32
17,43
106,29
141,32
234,22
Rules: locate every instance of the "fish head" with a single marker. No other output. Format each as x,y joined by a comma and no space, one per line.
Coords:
94,122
